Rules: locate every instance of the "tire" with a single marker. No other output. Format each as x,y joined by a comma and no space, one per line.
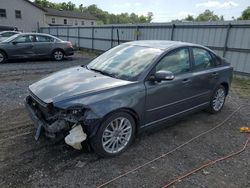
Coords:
58,55
217,100
108,141
3,57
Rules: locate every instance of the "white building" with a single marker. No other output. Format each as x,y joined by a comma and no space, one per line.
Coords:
28,17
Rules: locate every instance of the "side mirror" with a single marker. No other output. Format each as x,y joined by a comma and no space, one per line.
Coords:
163,75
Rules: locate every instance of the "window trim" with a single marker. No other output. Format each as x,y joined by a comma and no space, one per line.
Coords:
2,9
193,62
18,11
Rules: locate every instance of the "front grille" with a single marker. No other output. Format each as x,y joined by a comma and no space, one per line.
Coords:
43,108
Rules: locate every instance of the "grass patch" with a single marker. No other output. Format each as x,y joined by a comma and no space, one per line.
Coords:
241,87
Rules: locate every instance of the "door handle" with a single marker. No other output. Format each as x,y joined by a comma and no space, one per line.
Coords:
214,74
186,80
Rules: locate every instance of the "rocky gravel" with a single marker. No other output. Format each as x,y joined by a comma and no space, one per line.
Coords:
27,163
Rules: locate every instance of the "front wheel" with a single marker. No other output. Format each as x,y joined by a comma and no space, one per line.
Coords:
114,135
217,100
2,57
58,55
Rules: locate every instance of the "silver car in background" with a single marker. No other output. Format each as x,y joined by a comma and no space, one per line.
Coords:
34,45
6,34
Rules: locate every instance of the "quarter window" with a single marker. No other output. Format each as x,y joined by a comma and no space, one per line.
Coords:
202,59
18,14
3,13
176,62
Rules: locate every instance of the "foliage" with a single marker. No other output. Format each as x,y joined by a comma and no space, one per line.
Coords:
103,16
245,14
207,15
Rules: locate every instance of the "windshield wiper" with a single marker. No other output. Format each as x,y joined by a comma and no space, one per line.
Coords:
102,72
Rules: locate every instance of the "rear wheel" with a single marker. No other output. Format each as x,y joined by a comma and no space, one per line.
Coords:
115,134
2,57
58,55
217,100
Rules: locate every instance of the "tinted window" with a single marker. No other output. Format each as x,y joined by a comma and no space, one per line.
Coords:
176,62
25,39
202,59
41,38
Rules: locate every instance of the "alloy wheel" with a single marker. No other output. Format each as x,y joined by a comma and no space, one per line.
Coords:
117,135
219,99
58,55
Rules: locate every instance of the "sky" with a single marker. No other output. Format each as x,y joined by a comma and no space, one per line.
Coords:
167,10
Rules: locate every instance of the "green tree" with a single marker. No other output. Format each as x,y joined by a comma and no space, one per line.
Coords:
189,18
207,15
245,14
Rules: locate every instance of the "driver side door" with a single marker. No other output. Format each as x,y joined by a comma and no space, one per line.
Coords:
169,98
22,47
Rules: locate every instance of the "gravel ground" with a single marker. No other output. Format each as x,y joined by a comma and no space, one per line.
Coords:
26,163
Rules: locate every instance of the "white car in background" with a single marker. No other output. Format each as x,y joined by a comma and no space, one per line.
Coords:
6,34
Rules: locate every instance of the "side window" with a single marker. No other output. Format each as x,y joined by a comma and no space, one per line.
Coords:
176,62
25,39
202,59
40,38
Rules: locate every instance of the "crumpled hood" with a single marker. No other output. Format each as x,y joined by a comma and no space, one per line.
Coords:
68,83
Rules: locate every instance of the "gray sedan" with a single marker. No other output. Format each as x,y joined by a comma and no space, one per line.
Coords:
130,88
34,45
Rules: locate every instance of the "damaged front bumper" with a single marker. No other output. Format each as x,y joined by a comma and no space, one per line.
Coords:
45,119
51,129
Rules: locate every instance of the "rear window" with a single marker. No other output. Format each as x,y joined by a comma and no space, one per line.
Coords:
40,38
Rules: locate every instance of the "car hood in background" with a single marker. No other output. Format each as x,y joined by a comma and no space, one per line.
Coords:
72,82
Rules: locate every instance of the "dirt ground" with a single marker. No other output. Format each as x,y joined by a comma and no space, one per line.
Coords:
27,163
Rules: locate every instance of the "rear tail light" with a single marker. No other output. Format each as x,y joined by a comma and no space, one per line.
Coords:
69,44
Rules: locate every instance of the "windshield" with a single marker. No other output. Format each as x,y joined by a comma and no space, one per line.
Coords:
125,61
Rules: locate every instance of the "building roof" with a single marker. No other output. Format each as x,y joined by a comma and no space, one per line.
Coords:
64,13
41,8
71,14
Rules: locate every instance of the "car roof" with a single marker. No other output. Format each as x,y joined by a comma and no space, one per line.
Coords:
161,44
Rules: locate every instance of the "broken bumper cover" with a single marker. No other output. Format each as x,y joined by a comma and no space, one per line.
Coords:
39,122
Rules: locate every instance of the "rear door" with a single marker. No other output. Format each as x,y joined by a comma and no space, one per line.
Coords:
43,45
22,46
169,98
205,76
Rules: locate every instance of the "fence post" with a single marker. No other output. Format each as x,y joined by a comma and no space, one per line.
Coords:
172,32
92,38
67,33
49,30
57,33
79,42
137,32
226,39
112,32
